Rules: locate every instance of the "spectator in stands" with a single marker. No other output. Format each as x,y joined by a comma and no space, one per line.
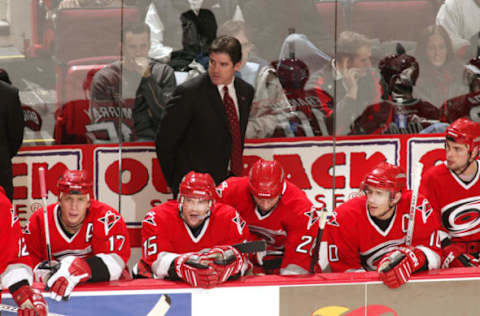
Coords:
401,113
167,24
137,106
11,130
270,106
350,81
460,20
441,75
466,105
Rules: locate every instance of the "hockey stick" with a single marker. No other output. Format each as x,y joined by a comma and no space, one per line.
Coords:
13,309
417,174
324,216
251,246
162,306
43,190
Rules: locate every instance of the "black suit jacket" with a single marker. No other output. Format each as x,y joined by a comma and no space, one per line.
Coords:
195,133
11,133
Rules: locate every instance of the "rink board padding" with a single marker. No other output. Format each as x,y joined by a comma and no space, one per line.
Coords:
439,292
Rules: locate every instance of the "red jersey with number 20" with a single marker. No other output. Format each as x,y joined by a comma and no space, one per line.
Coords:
289,229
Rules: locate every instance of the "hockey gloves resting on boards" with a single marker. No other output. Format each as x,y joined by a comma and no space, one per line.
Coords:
62,278
30,302
210,267
396,267
454,256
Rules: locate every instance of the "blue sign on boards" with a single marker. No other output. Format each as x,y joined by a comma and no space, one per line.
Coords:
118,305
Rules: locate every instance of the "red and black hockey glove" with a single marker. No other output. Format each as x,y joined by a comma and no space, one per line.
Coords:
72,271
396,267
30,301
227,261
192,269
454,256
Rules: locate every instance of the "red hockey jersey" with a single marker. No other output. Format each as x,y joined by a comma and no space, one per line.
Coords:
457,202
14,259
290,229
353,241
165,235
103,234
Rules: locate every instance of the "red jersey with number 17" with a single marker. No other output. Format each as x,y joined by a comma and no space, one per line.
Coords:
103,232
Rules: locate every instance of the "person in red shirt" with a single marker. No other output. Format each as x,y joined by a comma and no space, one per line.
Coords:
89,239
368,232
453,187
15,271
191,238
278,212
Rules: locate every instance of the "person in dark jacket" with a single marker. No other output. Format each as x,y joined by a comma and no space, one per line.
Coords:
11,130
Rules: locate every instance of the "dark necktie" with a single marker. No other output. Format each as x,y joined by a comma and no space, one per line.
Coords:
236,157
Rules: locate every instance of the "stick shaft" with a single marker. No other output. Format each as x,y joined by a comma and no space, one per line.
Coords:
417,173
43,190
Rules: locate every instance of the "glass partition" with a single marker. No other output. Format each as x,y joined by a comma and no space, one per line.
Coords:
89,74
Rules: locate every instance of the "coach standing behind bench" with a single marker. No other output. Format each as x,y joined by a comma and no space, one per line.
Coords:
204,128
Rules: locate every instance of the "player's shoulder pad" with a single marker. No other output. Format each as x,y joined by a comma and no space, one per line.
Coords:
295,197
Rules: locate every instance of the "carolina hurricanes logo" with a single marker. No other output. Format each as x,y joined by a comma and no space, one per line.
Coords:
370,257
272,237
240,222
32,119
14,216
150,218
313,216
109,220
462,218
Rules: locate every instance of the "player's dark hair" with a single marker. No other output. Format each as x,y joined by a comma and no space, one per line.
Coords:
228,45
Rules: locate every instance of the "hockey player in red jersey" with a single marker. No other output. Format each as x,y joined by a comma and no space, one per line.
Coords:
15,272
88,238
368,231
453,188
400,112
467,105
191,238
278,212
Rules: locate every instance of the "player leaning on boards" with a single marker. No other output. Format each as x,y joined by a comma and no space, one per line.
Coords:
190,238
15,272
278,212
89,239
368,232
453,188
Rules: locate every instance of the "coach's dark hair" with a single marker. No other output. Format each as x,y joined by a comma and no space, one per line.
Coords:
136,28
228,45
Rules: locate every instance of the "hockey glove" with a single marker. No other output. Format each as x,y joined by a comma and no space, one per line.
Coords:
190,268
72,271
454,257
227,261
43,271
396,267
30,302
